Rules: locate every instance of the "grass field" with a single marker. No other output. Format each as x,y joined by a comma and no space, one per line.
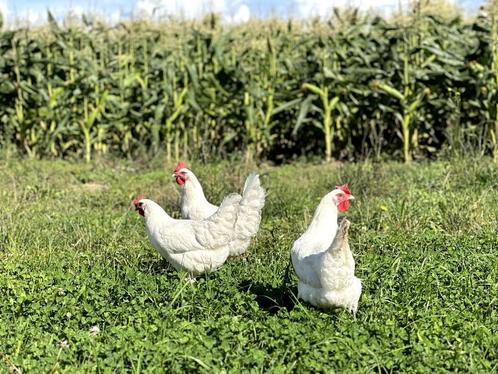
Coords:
81,288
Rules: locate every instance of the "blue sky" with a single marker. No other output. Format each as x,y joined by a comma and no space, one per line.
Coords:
233,10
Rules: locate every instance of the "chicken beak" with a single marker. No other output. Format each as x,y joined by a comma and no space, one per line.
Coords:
351,197
174,175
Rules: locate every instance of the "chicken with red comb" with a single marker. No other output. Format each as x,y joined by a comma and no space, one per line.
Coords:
194,205
180,166
138,205
344,188
322,258
344,200
196,247
137,200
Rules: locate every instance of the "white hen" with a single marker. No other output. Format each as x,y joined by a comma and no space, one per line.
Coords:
323,260
194,246
194,205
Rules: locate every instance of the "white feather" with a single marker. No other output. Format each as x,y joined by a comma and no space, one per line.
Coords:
194,246
323,261
195,206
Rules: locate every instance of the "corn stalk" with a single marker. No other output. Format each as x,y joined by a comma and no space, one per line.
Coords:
178,107
90,114
494,70
328,106
242,82
409,102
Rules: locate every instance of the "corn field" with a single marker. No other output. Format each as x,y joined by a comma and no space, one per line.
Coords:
350,87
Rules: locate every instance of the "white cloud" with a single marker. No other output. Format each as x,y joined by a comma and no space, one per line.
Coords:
323,8
30,17
233,11
3,8
179,8
307,8
243,14
145,7
38,15
114,17
240,15
76,11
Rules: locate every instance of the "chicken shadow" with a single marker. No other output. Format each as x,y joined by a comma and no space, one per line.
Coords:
269,298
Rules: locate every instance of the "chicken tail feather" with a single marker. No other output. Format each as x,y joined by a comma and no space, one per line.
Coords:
251,205
341,240
219,228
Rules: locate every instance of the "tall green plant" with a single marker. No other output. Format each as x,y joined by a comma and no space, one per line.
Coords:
494,80
412,64
91,113
172,134
409,101
213,90
329,104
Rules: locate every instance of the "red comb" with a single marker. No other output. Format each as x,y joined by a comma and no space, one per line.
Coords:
344,188
180,165
137,200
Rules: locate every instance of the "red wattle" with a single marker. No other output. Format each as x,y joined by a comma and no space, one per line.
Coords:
180,181
343,206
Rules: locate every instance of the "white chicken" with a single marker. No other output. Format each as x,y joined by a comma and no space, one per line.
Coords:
322,258
194,246
194,205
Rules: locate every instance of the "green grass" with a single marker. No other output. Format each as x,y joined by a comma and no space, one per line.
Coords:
73,255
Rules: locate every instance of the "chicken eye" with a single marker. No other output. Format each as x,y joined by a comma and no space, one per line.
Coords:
140,204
